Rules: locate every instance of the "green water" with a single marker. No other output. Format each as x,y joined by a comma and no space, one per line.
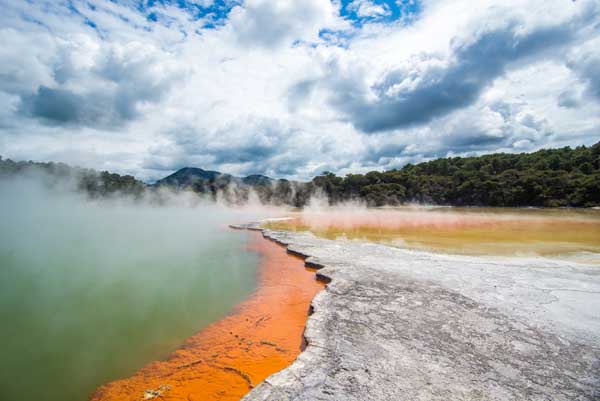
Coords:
89,293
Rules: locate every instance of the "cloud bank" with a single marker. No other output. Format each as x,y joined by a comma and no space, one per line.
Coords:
293,88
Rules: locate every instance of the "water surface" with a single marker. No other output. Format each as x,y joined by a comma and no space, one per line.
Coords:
90,292
562,233
226,359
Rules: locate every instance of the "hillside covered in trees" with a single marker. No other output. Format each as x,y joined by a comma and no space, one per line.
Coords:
232,189
563,177
91,182
550,178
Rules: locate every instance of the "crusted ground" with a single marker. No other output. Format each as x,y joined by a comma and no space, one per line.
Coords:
395,324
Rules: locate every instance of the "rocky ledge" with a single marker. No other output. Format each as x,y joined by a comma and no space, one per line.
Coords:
396,324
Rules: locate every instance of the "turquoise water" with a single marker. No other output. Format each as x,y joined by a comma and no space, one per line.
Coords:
90,292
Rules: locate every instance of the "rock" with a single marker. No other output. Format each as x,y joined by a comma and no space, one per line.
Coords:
151,394
396,324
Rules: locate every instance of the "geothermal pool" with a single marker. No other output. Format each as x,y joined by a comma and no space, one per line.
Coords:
224,361
95,297
91,292
558,233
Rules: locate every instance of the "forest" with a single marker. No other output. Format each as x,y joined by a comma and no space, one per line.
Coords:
64,177
565,177
549,178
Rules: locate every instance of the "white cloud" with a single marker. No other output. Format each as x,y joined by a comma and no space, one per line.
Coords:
263,92
275,23
368,9
201,3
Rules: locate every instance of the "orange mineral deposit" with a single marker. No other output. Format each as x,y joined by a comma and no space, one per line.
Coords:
228,358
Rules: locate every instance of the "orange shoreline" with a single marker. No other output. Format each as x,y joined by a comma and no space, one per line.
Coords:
224,361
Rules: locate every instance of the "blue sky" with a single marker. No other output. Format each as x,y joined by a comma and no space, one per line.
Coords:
291,88
392,10
214,12
385,11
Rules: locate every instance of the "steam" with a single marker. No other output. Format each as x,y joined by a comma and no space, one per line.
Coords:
557,233
320,215
92,289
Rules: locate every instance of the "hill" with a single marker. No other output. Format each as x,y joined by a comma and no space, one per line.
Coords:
197,178
564,177
91,182
188,176
237,189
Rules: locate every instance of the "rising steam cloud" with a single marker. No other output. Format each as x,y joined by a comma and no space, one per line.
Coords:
94,288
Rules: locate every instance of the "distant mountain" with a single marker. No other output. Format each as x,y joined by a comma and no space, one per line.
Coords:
189,177
237,189
198,179
257,179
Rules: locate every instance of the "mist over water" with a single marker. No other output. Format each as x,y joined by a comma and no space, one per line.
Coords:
572,234
90,291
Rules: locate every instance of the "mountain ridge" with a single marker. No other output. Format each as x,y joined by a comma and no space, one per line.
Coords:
190,177
562,177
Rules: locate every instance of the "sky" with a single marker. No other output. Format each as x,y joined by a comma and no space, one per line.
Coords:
292,88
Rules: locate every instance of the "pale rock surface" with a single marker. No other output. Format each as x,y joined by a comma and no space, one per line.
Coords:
395,324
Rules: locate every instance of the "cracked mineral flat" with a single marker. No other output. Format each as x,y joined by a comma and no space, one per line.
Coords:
396,324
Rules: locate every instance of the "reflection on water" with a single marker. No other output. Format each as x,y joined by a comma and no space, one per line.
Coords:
562,233
90,293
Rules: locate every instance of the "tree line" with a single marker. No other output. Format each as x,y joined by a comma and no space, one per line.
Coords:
93,183
565,177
